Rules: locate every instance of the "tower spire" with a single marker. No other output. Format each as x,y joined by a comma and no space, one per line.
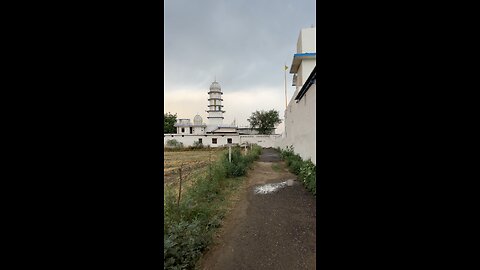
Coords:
215,107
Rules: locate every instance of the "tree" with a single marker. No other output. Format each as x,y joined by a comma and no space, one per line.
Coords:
168,121
264,121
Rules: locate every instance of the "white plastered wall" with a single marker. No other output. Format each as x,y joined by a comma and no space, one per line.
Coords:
262,140
188,140
307,41
300,127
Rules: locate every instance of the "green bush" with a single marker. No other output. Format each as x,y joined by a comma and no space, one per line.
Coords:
288,152
294,162
240,162
174,143
306,170
308,176
197,145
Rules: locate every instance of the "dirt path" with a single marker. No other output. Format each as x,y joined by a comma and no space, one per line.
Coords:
267,231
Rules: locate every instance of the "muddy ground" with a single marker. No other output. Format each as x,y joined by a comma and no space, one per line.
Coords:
267,231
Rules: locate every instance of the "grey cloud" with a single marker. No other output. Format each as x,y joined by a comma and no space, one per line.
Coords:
243,43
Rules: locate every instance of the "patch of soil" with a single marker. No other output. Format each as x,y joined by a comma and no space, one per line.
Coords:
267,231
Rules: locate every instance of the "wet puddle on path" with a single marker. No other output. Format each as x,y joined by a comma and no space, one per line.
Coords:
272,187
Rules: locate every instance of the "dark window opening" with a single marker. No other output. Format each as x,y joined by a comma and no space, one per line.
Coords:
214,140
183,135
183,130
199,140
229,140
191,130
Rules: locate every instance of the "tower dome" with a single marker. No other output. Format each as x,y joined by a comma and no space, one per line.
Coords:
215,87
197,120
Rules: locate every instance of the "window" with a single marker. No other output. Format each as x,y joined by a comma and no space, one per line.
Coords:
229,140
183,130
214,140
191,130
199,140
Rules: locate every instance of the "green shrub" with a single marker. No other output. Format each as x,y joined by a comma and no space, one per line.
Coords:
236,169
174,143
306,170
294,162
308,176
197,145
288,152
240,162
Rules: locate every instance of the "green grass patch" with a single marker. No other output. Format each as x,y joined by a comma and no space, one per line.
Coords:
189,226
276,167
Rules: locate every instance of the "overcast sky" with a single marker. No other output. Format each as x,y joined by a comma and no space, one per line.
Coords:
245,44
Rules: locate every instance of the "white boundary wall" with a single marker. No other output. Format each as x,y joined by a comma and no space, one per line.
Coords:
262,140
189,139
300,126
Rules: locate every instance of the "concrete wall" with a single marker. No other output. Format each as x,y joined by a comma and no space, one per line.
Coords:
188,140
195,130
305,69
300,126
199,130
262,140
307,40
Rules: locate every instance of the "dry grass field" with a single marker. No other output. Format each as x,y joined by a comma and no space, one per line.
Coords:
192,161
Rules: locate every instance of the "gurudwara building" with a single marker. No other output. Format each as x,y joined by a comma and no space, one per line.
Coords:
300,126
214,132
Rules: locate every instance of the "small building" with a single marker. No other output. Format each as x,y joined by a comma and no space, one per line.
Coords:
184,126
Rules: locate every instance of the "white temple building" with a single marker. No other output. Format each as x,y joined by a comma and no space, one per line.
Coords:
215,117
215,132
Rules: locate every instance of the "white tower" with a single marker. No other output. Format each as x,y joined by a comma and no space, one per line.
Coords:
215,112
